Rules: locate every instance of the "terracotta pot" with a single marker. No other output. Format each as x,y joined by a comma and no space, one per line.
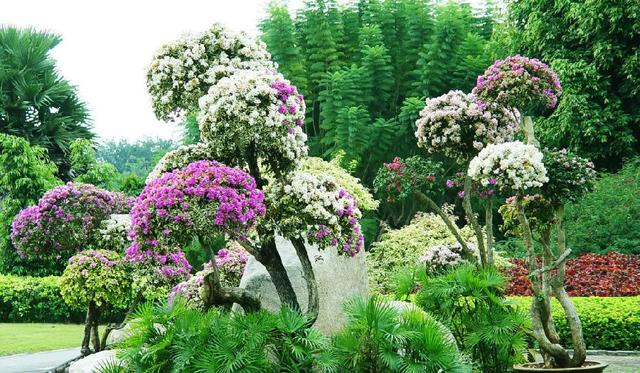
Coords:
588,367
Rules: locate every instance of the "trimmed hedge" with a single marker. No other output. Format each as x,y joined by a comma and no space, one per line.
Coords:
608,323
38,299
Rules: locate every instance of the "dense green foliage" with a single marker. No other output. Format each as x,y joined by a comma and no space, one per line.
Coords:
610,323
85,168
190,340
593,47
38,299
377,338
25,174
608,219
401,248
380,337
36,103
470,301
136,158
368,66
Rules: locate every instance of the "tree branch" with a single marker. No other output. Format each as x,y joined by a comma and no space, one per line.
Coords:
471,217
556,264
447,221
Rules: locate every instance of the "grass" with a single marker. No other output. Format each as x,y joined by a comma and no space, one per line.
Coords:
19,338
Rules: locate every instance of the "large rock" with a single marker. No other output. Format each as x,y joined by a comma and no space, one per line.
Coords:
91,363
339,278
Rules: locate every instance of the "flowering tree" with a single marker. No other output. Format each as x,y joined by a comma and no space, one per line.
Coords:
94,279
65,220
521,83
250,118
457,126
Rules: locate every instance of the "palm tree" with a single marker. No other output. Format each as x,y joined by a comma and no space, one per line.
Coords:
36,103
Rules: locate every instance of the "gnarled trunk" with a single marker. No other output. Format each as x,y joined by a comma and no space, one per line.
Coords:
471,217
313,305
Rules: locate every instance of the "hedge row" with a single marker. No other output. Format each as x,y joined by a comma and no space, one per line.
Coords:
38,299
610,323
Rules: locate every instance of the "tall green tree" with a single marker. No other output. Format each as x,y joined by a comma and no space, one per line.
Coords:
36,103
25,174
593,45
278,32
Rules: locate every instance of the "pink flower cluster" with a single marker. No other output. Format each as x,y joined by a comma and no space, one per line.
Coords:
93,257
65,219
169,265
284,91
519,82
201,199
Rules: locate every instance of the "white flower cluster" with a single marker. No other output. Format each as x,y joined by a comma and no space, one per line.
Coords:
180,158
515,166
114,233
182,71
315,205
441,257
456,126
250,108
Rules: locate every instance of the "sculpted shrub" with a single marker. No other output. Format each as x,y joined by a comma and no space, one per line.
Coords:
67,218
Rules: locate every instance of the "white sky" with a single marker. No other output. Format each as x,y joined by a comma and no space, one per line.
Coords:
108,44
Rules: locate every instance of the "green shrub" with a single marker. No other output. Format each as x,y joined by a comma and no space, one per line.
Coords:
608,219
470,302
403,247
38,299
611,323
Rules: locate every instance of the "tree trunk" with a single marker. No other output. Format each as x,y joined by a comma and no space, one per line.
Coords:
94,329
88,323
573,320
215,294
269,257
445,218
111,327
471,217
527,129
313,305
488,228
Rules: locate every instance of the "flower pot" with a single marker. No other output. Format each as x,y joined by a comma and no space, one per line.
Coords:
587,367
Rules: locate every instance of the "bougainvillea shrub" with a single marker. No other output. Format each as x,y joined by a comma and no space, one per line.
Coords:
254,111
402,177
610,275
204,198
519,82
316,207
456,126
512,166
182,71
65,220
95,276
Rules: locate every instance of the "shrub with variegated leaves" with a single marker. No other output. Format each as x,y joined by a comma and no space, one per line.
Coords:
96,276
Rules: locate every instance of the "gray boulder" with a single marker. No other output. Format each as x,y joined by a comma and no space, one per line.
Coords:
91,363
339,279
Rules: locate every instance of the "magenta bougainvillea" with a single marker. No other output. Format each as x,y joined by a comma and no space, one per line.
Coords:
65,220
203,199
519,82
400,178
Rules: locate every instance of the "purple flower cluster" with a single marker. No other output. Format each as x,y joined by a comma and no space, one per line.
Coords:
520,82
204,198
484,192
169,265
284,91
93,257
65,219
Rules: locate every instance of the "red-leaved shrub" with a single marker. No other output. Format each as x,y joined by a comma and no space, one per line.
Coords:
610,275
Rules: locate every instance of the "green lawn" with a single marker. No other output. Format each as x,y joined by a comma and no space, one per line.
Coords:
18,338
